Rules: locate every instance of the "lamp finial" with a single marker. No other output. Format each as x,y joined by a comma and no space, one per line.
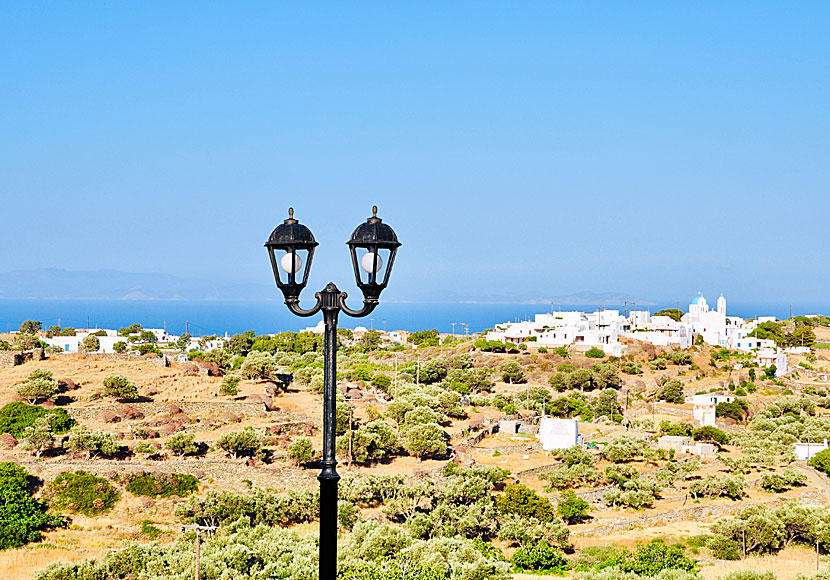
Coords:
290,219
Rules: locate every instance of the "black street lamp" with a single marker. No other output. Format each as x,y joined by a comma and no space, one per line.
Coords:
373,246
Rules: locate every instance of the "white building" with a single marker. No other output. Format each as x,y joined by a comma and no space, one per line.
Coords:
710,324
710,399
597,329
806,451
705,415
559,433
72,343
767,357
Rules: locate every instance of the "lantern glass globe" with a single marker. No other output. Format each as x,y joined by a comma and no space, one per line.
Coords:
286,263
368,263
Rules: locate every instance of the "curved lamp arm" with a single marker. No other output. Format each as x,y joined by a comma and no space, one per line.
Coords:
294,306
369,304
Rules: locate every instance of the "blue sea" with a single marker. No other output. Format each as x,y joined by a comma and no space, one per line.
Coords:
207,317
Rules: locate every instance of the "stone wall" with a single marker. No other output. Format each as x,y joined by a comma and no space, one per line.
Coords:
12,358
193,409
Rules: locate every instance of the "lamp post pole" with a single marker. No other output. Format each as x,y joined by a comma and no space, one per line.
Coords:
370,239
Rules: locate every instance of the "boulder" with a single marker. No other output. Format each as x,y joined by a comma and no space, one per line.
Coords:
7,441
49,405
174,409
109,416
129,412
210,369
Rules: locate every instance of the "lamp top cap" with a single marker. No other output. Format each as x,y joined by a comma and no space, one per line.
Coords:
291,233
374,231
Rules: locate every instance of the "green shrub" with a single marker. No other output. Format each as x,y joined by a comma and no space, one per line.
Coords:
82,492
821,461
571,508
710,434
16,417
163,485
539,556
520,500
724,548
120,387
149,530
230,385
595,352
301,451
656,556
22,517
240,443
782,481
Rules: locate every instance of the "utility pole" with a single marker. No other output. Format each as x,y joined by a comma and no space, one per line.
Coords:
418,372
349,468
396,374
199,530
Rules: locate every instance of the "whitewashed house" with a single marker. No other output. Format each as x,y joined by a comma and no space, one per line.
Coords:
806,451
559,433
72,343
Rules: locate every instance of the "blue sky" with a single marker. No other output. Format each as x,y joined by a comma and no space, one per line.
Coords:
520,150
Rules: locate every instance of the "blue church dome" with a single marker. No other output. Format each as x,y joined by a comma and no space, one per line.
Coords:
697,299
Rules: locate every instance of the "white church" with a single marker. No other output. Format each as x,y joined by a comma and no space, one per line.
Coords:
713,325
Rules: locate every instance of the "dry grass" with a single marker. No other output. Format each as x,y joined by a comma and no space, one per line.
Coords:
23,563
786,565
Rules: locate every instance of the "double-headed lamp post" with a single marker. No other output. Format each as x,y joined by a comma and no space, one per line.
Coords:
373,246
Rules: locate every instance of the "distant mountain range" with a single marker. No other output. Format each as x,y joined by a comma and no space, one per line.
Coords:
595,299
56,284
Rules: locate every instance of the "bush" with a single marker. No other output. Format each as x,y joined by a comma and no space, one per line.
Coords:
539,556
511,372
710,434
224,507
424,440
258,365
782,481
718,486
624,449
595,352
520,500
182,443
631,367
22,517
16,417
120,387
163,485
672,392
571,508
245,443
93,442
301,451
656,556
230,385
40,385
724,548
381,382
736,410
83,492
90,343
821,461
